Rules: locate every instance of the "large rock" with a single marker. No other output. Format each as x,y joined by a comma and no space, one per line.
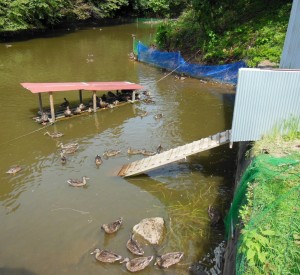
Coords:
151,229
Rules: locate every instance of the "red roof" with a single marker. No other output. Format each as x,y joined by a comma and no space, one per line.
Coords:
72,86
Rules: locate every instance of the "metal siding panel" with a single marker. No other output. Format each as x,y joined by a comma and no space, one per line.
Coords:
264,98
290,58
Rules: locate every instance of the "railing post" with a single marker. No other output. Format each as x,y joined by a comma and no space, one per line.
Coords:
94,101
40,104
52,107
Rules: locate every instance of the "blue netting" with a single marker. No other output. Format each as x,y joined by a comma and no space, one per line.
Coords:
173,61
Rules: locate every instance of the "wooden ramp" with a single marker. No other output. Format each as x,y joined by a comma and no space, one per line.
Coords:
149,163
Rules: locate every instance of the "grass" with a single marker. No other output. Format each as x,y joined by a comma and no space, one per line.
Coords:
270,217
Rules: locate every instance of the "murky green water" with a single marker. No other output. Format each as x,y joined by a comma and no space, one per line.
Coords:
48,227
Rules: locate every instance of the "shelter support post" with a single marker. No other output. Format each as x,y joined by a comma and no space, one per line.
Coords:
40,103
133,96
52,107
80,96
94,101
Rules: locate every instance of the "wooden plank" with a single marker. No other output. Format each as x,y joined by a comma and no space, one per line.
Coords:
175,154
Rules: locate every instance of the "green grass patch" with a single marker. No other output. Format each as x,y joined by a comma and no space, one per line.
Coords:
266,205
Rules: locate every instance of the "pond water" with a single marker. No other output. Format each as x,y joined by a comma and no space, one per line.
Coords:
49,227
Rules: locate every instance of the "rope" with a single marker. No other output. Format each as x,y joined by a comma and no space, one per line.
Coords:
26,134
178,67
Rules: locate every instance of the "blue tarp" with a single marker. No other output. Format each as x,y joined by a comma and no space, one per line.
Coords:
173,61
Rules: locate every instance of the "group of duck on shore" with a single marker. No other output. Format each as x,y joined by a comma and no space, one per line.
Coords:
138,263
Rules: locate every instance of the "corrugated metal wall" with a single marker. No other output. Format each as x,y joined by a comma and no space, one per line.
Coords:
290,58
263,98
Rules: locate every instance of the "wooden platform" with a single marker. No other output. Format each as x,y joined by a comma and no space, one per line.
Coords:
181,152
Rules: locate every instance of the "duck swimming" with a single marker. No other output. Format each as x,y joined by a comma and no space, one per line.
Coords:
63,159
111,153
98,160
168,259
67,145
159,149
148,153
131,151
134,247
214,215
54,134
142,113
113,226
137,264
77,182
158,116
13,170
106,256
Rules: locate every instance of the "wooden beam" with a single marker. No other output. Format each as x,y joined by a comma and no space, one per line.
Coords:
40,103
52,107
80,96
94,101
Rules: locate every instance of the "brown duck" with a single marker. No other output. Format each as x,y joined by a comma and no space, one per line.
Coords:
112,227
106,256
134,247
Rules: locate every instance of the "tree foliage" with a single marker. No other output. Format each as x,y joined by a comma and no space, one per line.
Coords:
31,14
225,30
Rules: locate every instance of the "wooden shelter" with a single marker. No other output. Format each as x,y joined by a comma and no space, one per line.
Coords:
51,88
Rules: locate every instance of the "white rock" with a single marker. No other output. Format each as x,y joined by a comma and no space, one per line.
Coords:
151,229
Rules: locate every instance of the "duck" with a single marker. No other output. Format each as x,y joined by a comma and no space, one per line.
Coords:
67,145
82,106
137,264
111,153
214,215
131,151
106,256
77,182
13,170
54,134
112,227
143,113
102,103
77,111
98,160
90,110
68,112
70,150
168,259
148,101
44,117
134,247
146,93
65,103
159,149
148,153
158,116
63,159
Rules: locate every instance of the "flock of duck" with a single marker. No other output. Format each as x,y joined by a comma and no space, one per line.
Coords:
137,263
109,100
103,255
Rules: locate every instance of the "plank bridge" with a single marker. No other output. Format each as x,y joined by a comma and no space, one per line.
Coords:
175,154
